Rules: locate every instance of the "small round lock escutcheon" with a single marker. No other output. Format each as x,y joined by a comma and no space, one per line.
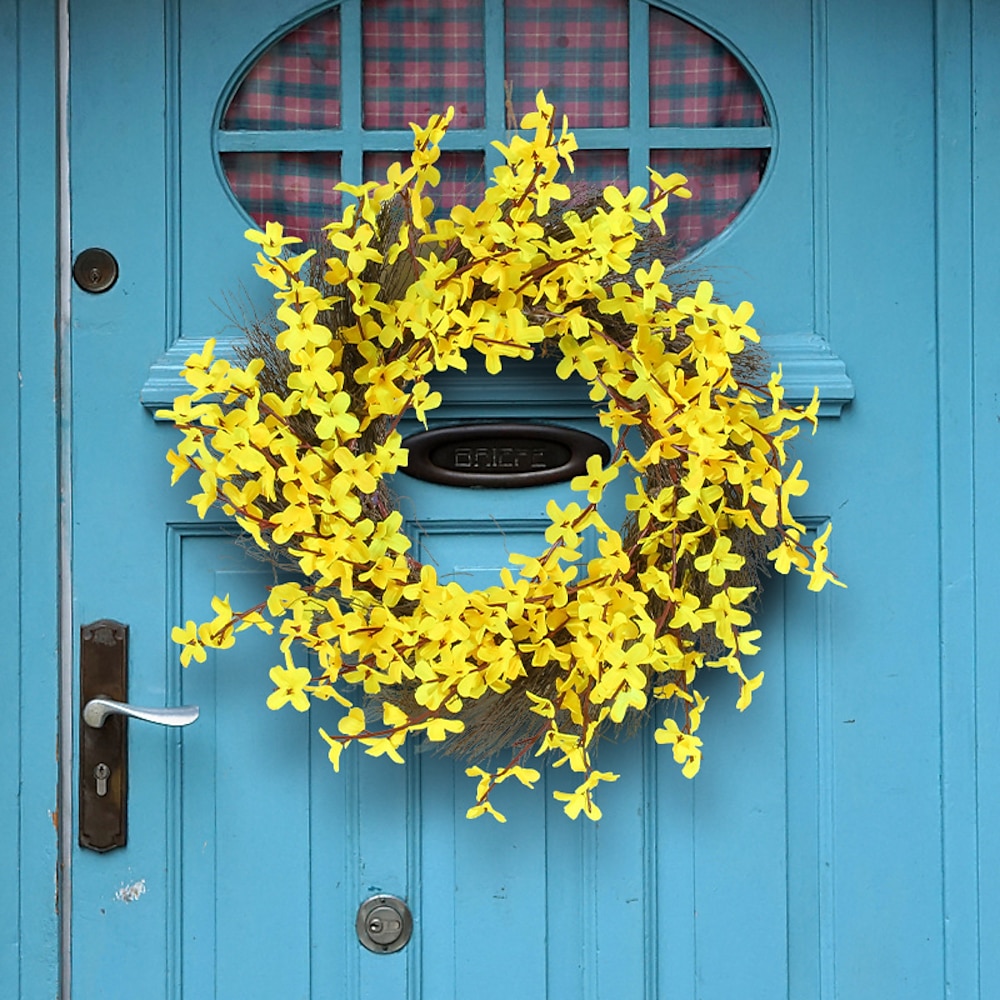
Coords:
95,270
384,924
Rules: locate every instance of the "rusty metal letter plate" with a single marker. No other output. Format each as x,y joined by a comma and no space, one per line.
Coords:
103,751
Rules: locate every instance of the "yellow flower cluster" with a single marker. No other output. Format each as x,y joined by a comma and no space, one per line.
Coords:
300,469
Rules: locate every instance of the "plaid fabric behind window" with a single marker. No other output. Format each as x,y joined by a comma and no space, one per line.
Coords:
463,177
295,83
295,189
420,57
721,183
597,168
577,52
694,80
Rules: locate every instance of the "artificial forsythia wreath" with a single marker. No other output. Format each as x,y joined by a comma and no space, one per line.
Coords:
296,446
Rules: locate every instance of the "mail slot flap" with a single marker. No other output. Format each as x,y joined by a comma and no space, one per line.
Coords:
503,455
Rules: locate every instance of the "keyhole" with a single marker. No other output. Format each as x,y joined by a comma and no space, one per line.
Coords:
102,772
95,276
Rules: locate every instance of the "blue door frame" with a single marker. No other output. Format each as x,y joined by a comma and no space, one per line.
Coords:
29,577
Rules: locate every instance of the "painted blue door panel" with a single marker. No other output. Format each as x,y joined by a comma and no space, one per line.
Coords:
276,851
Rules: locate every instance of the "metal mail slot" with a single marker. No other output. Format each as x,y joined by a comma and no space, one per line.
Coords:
501,454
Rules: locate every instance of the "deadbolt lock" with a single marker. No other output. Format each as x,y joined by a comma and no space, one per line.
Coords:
384,924
95,270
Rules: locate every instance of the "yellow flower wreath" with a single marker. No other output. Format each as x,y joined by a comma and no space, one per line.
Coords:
296,445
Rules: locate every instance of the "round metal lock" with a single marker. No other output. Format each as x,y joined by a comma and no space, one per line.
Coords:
384,924
95,270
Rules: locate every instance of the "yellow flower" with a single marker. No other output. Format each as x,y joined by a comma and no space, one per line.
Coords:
672,184
187,637
336,419
382,746
272,239
595,479
542,706
687,611
302,330
220,629
653,289
719,561
271,271
483,808
438,728
687,748
630,203
819,575
336,748
541,118
290,684
699,307
353,723
747,689
788,553
180,463
581,799
792,487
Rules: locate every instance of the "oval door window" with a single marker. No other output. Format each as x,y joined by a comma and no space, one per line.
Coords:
300,119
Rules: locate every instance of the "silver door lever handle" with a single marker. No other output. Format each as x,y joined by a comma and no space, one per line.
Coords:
98,709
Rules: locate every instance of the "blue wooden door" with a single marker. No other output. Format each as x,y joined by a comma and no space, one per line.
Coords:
248,858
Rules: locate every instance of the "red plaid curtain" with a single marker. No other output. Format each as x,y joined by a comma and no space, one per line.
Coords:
420,56
295,83
695,80
576,51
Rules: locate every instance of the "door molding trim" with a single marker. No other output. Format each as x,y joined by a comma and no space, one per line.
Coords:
807,361
64,397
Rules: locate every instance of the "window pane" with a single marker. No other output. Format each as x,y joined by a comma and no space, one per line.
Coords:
295,189
420,57
295,83
577,52
595,169
721,182
462,177
695,80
